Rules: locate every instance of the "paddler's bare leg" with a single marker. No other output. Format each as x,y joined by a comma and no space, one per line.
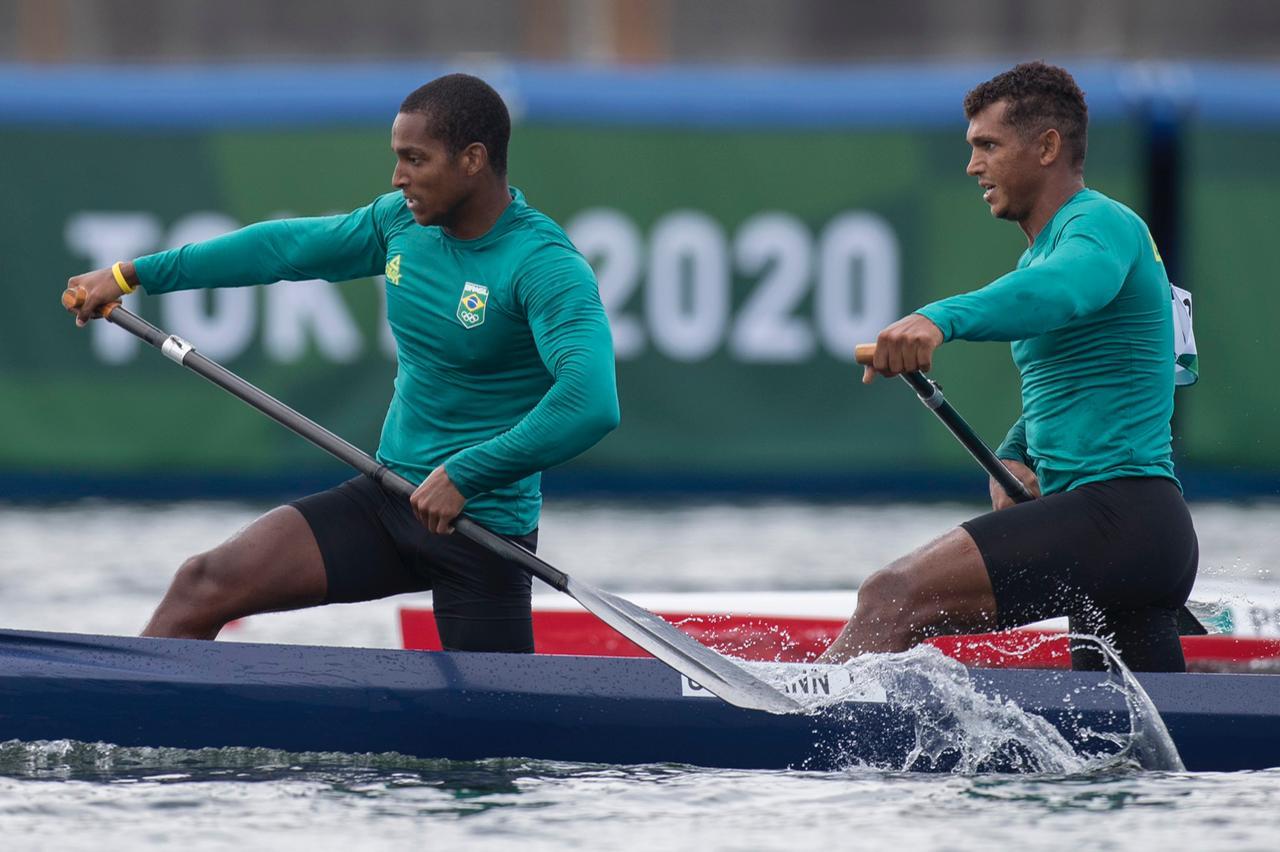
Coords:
938,589
271,565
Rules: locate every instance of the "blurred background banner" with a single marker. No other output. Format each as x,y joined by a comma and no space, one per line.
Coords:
748,224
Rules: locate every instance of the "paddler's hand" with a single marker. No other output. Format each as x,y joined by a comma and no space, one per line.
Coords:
905,346
1024,474
101,289
437,502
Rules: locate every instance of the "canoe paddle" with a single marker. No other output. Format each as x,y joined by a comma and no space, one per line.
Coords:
930,393
718,675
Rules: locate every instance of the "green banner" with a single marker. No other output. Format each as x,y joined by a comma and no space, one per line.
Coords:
1229,421
739,268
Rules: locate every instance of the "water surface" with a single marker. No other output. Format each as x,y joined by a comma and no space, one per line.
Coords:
99,567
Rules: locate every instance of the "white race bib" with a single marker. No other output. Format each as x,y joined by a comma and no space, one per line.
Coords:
1186,365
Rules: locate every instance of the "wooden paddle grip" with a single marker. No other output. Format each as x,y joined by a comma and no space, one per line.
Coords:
74,297
864,353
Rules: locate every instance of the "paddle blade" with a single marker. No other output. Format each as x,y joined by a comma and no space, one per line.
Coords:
717,674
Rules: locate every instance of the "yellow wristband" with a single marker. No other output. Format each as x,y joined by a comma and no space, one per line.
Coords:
120,279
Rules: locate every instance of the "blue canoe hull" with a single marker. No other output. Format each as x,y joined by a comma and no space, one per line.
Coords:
189,694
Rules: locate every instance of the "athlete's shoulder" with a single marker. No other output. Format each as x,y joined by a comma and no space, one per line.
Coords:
538,229
389,210
1094,209
544,243
1103,218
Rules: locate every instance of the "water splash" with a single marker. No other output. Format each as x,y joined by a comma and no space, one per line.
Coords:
959,728
955,726
1149,743
1216,615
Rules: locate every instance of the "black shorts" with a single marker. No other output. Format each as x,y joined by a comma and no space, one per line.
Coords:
1117,557
374,546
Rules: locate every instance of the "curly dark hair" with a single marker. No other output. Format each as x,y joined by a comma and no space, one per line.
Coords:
462,109
1040,97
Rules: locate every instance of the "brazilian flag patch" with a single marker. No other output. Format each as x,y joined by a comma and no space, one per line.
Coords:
471,305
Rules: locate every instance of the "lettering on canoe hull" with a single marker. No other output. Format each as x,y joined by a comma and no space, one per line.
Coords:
816,681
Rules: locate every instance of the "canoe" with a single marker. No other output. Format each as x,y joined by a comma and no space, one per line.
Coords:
794,626
191,694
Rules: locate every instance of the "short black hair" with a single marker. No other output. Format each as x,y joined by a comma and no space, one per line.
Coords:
462,109
1040,96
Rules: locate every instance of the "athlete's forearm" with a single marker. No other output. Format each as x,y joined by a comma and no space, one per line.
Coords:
580,408
1080,277
336,248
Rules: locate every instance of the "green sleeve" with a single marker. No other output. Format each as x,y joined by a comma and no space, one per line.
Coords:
1081,275
335,248
570,329
1014,445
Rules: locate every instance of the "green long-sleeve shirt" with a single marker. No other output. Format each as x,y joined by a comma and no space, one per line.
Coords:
1087,309
505,361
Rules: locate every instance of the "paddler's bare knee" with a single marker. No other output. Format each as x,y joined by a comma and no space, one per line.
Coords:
273,564
939,588
890,602
203,580
195,606
883,621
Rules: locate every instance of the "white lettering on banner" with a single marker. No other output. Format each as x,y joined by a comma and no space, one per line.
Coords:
613,245
673,291
858,282
104,238
221,321
851,277
775,248
687,293
293,308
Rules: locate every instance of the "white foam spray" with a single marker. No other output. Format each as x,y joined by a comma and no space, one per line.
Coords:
1149,743
958,727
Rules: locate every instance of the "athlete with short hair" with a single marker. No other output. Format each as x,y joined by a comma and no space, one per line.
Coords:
1111,543
504,368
